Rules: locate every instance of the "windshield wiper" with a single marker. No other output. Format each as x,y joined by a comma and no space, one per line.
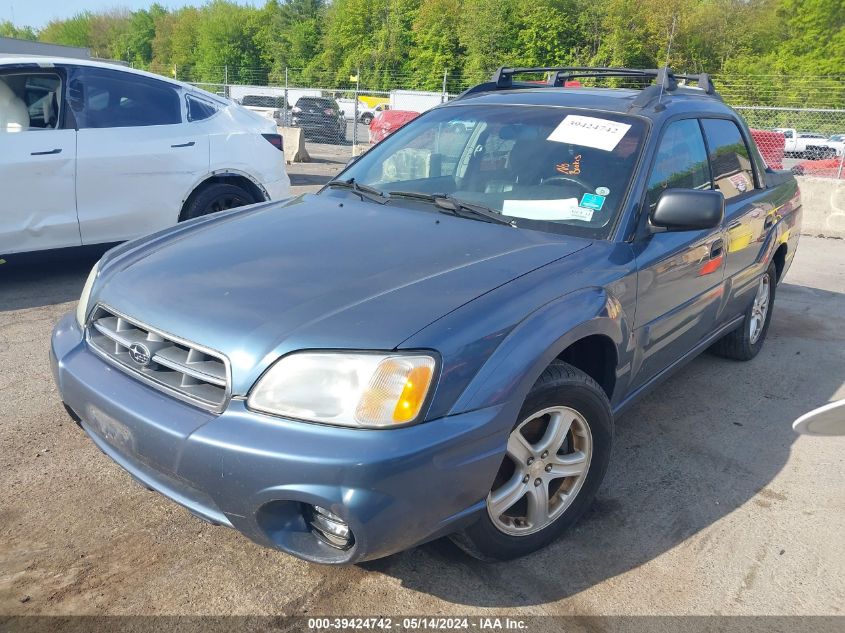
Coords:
365,191
454,206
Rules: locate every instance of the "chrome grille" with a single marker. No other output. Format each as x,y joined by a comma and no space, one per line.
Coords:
186,370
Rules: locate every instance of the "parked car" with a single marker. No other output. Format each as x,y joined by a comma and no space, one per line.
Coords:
320,119
365,112
93,152
387,122
438,342
810,145
837,142
272,108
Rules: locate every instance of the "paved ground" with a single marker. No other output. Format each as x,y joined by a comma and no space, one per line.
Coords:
326,162
711,505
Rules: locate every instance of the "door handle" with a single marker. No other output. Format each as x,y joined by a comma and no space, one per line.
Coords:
734,225
188,144
47,153
716,248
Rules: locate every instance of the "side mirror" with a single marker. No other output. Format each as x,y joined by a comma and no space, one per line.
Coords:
688,210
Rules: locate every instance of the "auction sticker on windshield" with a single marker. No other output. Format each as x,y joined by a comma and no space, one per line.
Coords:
548,210
589,131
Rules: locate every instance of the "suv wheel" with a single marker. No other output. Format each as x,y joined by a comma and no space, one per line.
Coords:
746,341
556,458
218,197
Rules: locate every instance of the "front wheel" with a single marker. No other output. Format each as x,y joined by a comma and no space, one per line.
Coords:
745,342
556,458
366,119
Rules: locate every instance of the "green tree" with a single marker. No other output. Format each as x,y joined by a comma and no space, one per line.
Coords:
7,29
436,45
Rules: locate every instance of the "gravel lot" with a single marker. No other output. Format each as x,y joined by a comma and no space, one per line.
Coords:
711,505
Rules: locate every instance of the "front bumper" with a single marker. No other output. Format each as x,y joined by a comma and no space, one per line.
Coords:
395,488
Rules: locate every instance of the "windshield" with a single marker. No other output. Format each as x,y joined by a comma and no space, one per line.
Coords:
557,169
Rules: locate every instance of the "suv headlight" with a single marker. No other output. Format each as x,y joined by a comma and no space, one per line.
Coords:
85,297
365,390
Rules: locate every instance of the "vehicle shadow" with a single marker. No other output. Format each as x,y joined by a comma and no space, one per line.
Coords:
704,443
34,280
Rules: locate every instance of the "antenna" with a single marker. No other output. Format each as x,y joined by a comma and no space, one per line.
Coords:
668,50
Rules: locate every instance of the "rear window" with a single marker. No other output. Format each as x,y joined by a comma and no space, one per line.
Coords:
262,101
316,101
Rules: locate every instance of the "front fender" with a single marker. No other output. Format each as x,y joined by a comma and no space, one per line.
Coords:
536,341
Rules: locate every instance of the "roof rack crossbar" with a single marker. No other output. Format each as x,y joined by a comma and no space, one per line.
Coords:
665,80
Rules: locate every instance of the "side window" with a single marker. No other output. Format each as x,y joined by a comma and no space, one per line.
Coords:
198,109
729,157
106,99
31,101
681,161
433,154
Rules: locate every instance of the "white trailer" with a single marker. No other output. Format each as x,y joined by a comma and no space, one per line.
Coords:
415,100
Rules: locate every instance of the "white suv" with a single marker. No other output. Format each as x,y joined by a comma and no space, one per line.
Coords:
93,152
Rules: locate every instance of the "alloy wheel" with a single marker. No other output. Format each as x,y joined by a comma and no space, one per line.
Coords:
759,310
548,456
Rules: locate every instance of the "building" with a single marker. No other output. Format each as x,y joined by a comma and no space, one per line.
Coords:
12,46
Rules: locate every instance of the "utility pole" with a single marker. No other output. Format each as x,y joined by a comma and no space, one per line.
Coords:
355,111
287,105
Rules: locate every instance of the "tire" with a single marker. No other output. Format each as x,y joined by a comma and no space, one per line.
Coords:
366,119
562,396
214,198
742,343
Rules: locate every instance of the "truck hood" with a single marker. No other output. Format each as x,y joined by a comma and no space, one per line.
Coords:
319,271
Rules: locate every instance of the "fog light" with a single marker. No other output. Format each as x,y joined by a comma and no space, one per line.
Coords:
329,528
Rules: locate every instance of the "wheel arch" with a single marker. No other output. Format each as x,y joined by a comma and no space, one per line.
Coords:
224,176
572,328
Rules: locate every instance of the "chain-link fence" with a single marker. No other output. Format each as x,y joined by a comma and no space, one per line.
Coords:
809,141
799,122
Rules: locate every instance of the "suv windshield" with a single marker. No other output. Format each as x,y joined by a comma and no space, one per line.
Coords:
557,169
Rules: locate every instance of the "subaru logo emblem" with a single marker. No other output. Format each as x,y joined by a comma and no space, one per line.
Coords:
140,353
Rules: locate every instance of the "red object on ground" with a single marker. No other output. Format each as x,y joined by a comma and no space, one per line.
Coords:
388,122
827,168
771,146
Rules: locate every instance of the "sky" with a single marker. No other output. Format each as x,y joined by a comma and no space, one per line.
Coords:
36,13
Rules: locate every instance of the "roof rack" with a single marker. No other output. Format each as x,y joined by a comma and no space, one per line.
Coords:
665,80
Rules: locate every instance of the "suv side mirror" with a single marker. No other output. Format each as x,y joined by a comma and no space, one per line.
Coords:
688,210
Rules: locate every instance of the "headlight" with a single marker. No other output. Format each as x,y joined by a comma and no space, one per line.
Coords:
85,297
345,388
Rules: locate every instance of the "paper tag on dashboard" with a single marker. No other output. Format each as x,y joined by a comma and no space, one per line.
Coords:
547,210
589,131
